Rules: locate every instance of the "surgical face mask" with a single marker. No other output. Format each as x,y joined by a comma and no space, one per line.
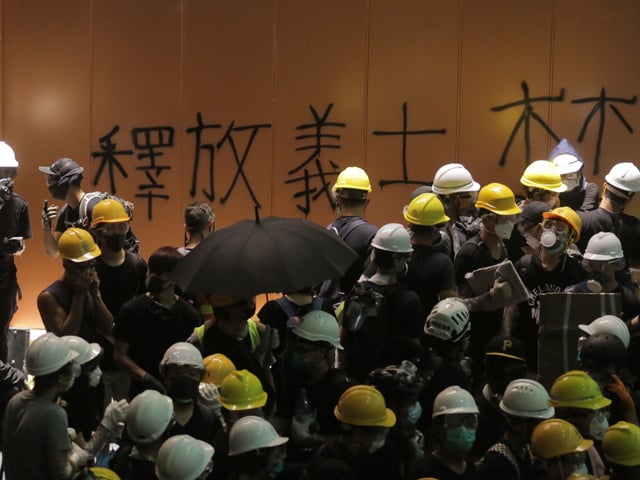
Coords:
599,425
582,468
114,242
553,242
460,440
571,180
503,229
94,377
414,413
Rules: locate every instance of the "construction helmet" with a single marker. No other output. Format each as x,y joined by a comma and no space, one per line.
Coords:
585,476
426,210
149,415
47,354
108,210
7,156
604,348
624,176
453,400
86,351
251,433
603,246
569,216
567,163
182,457
555,437
353,178
182,354
242,390
578,390
398,383
453,178
498,199
77,245
364,406
392,237
448,320
526,398
608,324
319,326
543,174
101,473
621,444
217,367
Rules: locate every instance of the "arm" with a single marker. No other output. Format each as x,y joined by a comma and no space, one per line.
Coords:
103,317
125,362
56,319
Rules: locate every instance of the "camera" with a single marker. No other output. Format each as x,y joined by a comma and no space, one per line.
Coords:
12,245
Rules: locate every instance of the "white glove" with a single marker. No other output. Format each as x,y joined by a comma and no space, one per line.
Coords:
209,394
79,458
115,413
301,431
49,213
501,289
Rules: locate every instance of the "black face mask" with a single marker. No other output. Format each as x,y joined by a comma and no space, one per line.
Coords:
114,242
156,284
183,388
59,192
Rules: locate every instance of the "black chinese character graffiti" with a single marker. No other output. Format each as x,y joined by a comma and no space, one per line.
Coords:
211,153
151,139
320,141
405,133
109,158
528,114
600,106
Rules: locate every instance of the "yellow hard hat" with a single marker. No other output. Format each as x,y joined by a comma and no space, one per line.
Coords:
426,209
567,215
353,178
498,198
543,174
108,210
621,444
101,473
242,390
364,406
578,390
217,367
556,437
77,245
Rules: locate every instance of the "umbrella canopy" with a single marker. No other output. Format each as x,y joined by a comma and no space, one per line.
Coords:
264,255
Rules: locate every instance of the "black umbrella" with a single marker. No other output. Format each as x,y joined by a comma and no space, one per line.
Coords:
264,255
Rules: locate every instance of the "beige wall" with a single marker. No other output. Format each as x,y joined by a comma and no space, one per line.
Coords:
73,69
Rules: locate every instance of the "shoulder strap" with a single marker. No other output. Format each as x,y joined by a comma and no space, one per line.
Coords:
316,304
350,227
286,306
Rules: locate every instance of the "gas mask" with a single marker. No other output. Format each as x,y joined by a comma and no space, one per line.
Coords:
552,241
503,229
595,281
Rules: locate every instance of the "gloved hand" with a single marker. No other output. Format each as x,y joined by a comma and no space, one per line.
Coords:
115,413
79,458
209,394
501,289
618,388
49,213
152,383
301,433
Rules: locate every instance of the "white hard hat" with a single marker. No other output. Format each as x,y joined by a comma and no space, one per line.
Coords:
48,354
526,398
608,324
567,163
453,400
453,178
182,457
149,415
603,246
392,237
86,351
448,320
319,326
624,176
182,354
7,156
251,433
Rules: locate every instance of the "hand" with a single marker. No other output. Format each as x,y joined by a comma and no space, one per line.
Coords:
152,383
49,214
79,458
94,283
115,413
620,390
301,430
501,289
209,394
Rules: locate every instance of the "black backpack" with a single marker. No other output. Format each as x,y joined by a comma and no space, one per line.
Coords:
364,328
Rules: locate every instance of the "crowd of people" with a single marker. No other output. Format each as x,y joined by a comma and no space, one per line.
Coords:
400,369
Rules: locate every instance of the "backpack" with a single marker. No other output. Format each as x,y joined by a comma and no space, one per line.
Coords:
291,310
90,199
364,328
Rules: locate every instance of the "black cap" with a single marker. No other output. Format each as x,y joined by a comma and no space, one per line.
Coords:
61,166
505,346
532,212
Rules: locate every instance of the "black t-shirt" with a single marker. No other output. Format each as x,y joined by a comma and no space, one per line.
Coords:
430,466
430,271
150,330
14,222
359,239
626,227
581,199
67,218
120,284
203,425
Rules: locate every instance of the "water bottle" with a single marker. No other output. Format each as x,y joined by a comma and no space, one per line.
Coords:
303,408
